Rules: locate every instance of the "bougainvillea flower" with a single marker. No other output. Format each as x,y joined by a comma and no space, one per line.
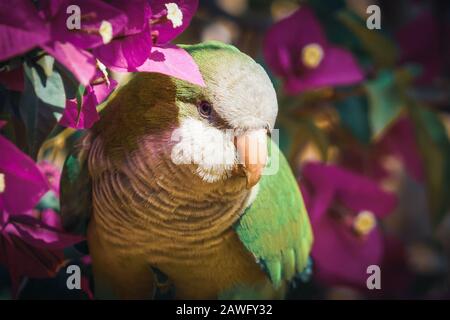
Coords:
21,28
420,43
344,208
131,47
32,246
171,18
52,173
28,241
100,22
297,50
84,114
80,62
21,182
167,20
173,61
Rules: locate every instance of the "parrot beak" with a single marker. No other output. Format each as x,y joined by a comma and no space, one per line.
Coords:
252,150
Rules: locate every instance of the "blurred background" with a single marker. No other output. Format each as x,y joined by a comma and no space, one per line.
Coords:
364,122
379,143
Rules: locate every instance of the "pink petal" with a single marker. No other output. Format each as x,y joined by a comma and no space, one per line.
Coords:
93,13
340,257
21,29
24,182
40,236
51,219
88,115
175,62
166,32
283,49
138,13
354,191
127,53
102,91
52,173
26,260
338,67
83,119
80,62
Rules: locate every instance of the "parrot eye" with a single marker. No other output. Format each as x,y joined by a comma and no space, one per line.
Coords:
205,109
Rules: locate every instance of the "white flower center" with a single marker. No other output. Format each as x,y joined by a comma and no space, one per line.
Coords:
2,183
174,14
106,31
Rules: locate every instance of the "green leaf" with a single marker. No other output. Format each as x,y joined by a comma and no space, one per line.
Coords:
70,83
49,201
49,89
79,96
8,106
285,139
41,98
73,168
434,145
327,7
354,116
385,101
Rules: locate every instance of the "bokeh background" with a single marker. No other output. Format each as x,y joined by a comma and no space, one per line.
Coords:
364,122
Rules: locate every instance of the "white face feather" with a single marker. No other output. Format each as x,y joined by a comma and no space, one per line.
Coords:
211,150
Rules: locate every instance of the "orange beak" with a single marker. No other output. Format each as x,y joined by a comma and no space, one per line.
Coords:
252,150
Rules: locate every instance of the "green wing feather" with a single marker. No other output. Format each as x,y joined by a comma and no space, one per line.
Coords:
276,228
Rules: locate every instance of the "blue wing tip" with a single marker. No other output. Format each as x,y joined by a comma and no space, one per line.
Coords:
306,274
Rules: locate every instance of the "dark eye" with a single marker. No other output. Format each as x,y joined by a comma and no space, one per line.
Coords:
205,108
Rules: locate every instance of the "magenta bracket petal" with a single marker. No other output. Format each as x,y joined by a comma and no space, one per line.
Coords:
21,28
25,183
175,62
80,62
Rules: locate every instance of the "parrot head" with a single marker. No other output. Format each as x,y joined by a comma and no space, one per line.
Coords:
225,125
219,131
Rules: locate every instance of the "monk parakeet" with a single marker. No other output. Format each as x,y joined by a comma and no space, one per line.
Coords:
165,187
